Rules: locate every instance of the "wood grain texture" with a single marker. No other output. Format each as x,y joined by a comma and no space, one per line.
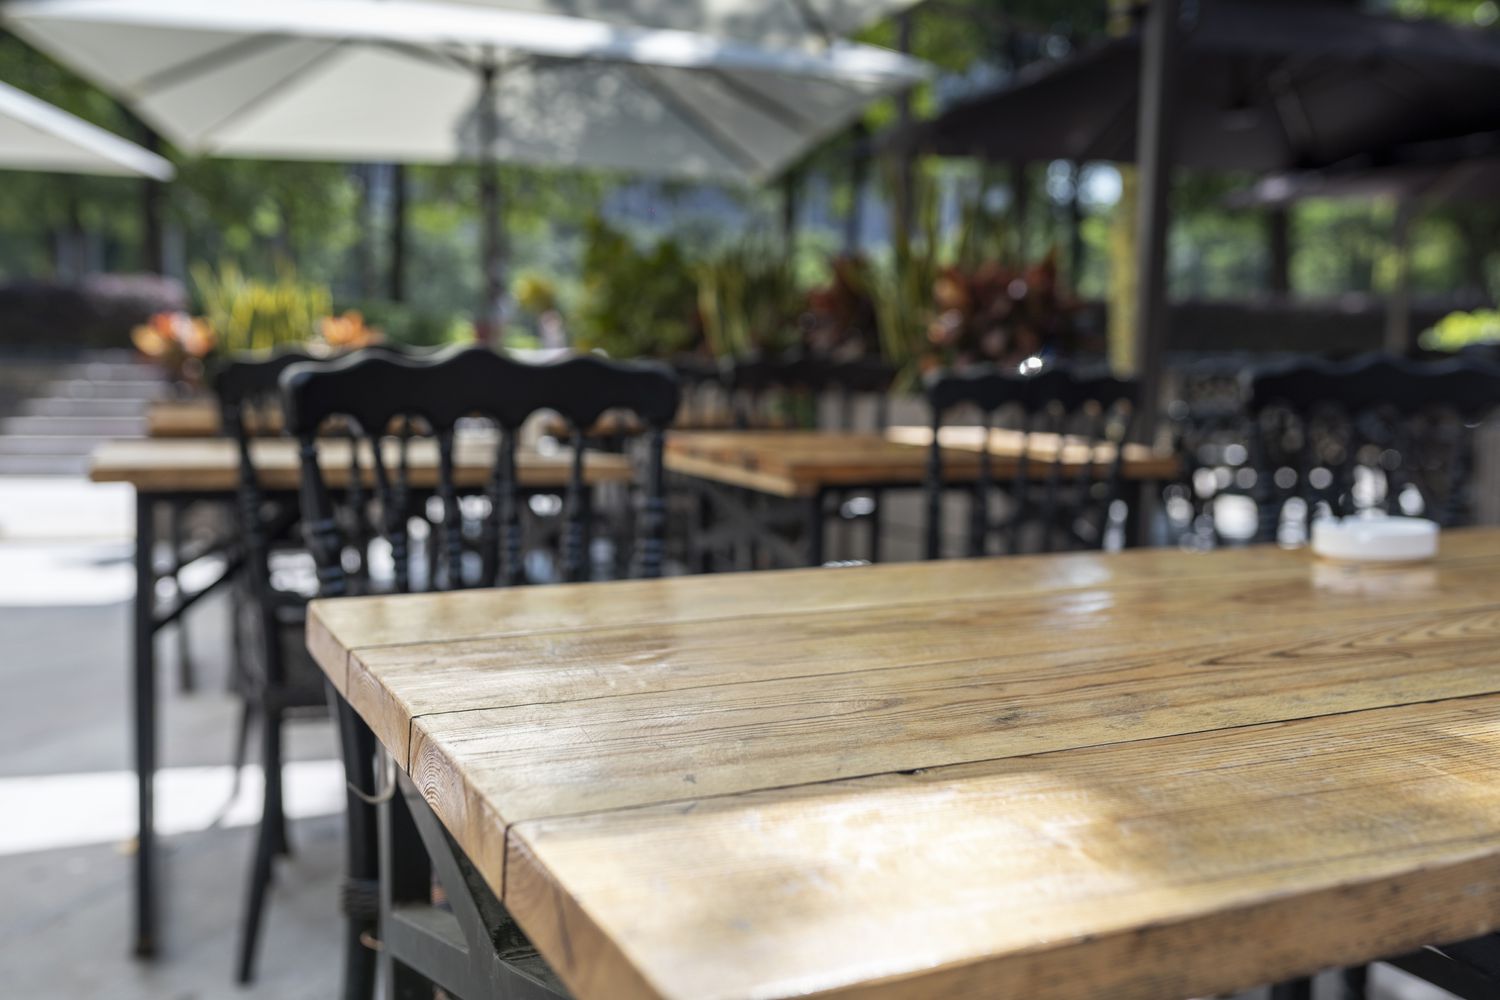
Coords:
199,418
798,463
1053,776
210,465
1185,866
190,418
1073,630
560,758
362,622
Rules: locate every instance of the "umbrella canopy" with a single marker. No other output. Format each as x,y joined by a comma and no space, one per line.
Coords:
1462,170
35,135
1265,86
766,22
400,80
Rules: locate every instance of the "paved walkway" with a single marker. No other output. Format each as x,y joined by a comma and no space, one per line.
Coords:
67,791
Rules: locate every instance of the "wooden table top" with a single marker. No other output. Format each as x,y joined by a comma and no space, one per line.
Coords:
1148,775
192,418
199,418
211,465
799,463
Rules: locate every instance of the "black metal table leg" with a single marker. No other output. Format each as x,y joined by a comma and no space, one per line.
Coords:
815,528
1294,989
144,695
186,679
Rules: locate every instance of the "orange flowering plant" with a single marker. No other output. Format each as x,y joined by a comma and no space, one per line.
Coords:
176,341
347,332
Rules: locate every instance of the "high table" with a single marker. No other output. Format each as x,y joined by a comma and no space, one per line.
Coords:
172,418
1154,774
192,418
806,468
173,474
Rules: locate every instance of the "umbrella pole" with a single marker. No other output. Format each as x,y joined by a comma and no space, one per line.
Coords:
396,278
487,330
1154,134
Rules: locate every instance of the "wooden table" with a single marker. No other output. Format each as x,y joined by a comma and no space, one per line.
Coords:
192,418
1148,775
172,474
808,467
199,418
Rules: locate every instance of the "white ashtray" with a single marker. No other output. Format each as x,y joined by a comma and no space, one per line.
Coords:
1375,539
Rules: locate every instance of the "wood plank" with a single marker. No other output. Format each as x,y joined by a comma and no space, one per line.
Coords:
193,418
798,463
700,787
390,685
365,622
210,465
1185,866
613,752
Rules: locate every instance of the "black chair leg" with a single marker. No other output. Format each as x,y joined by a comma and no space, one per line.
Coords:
275,809
1293,989
265,850
1355,982
361,900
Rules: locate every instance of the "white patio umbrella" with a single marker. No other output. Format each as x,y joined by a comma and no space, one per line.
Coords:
35,135
765,22
415,82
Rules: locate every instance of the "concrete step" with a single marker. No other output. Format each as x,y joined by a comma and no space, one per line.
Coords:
43,465
98,427
114,371
86,389
66,406
50,444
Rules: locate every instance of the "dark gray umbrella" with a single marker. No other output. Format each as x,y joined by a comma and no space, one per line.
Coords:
1448,171
1261,86
1416,177
1273,85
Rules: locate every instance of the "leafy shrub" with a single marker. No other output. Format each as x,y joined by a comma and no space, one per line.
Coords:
249,314
1458,330
636,302
98,312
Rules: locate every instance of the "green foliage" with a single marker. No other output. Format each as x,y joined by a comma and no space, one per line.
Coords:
1458,330
636,301
249,314
902,283
749,300
415,327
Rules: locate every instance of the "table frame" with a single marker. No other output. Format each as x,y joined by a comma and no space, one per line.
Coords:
146,623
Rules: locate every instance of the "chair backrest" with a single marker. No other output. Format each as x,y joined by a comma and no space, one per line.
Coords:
1207,421
796,384
1066,406
1374,432
704,392
388,401
871,378
248,393
775,391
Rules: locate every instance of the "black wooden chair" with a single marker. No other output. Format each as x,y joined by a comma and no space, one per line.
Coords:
431,398
273,674
775,393
1049,506
785,391
1206,416
1371,434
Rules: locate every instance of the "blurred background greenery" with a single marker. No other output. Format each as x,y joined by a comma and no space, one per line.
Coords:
633,266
